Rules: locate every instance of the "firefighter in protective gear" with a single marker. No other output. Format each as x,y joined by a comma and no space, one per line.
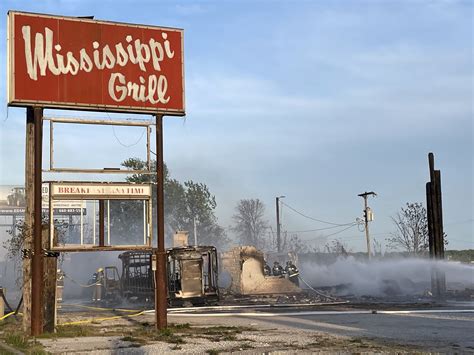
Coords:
267,271
98,284
277,269
293,272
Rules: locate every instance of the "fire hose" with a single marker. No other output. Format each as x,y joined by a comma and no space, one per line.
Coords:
103,319
12,312
316,291
98,282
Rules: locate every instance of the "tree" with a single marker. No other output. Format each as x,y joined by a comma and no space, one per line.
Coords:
412,229
294,244
185,204
249,222
337,247
15,244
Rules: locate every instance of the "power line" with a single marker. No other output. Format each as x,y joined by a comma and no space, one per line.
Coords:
330,235
315,219
315,230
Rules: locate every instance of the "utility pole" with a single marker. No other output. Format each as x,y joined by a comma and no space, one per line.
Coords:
435,228
367,218
278,223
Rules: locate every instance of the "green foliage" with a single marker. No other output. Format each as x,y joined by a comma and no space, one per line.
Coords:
16,242
465,256
23,342
17,340
185,204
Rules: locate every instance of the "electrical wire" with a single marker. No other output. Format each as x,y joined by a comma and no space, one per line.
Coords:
6,117
314,230
329,235
315,219
127,145
120,142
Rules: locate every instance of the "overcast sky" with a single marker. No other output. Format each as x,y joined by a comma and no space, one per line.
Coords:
315,100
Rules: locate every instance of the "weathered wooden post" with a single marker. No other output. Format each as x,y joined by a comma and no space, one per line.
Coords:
435,228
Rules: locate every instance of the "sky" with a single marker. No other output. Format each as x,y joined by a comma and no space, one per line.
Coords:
314,100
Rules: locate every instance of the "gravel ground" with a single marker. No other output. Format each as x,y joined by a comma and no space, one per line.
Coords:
259,337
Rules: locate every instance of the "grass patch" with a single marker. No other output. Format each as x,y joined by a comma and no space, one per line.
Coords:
24,343
17,340
72,331
181,326
221,333
132,340
146,334
243,346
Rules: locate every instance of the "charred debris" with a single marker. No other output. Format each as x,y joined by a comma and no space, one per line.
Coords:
196,276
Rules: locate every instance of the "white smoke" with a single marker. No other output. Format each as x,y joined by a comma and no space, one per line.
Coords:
407,276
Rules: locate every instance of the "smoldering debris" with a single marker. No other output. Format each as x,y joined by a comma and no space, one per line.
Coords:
383,278
79,267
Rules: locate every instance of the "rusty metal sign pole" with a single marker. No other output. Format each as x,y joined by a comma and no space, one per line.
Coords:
37,259
161,291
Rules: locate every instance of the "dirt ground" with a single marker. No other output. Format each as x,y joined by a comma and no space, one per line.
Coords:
112,332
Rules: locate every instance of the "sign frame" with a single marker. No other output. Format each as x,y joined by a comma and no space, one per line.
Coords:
11,72
146,197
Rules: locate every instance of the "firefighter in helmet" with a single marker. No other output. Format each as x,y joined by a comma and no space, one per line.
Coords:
292,272
98,284
277,269
267,271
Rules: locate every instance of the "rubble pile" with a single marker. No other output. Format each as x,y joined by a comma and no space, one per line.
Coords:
246,268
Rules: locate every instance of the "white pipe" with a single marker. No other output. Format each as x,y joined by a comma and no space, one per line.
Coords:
311,313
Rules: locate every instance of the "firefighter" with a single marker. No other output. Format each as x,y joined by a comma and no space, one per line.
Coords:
293,272
278,269
98,284
267,271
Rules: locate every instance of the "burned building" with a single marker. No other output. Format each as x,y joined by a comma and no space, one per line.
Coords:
246,268
192,275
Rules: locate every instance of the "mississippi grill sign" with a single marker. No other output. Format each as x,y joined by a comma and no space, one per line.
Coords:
65,62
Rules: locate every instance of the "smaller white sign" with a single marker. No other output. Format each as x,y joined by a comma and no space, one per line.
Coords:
59,204
98,191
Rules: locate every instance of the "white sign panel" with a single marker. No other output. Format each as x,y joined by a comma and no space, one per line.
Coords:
59,204
106,191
